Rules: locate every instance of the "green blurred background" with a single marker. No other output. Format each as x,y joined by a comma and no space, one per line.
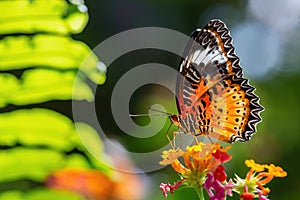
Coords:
266,38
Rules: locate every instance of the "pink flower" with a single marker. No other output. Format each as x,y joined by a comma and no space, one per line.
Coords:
215,189
167,187
260,195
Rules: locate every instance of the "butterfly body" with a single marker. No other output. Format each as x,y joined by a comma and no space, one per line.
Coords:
213,97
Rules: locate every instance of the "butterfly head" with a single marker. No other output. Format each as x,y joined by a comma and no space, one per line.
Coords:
175,119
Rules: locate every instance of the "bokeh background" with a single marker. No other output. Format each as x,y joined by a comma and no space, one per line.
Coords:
265,35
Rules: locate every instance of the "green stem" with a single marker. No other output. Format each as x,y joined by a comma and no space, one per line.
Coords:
199,191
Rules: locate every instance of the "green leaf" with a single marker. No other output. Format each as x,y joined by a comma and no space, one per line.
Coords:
41,85
34,164
92,142
47,194
38,194
51,51
53,16
90,138
36,142
31,127
37,163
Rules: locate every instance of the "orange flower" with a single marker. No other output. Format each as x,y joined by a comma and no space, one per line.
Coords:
259,175
170,156
81,181
198,160
254,166
95,185
276,171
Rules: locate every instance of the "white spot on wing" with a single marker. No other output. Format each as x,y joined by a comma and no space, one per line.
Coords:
200,57
195,55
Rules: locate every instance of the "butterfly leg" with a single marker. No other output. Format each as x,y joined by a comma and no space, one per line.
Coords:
173,137
209,138
206,134
196,139
172,141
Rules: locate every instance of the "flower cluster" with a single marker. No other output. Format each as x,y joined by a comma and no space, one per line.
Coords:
198,161
201,166
257,177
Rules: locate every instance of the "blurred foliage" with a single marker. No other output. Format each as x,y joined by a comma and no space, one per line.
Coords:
278,135
40,85
39,59
52,16
37,194
39,62
48,51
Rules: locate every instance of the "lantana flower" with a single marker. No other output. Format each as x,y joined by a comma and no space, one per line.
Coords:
194,164
201,166
217,190
256,179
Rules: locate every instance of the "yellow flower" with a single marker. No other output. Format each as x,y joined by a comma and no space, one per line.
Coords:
276,171
198,160
262,174
254,166
170,156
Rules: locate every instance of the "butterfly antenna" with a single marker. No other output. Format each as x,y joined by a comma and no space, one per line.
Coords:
146,115
160,111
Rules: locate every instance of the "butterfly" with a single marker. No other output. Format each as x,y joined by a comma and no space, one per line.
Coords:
213,97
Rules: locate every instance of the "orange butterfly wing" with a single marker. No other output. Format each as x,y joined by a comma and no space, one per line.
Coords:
213,97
